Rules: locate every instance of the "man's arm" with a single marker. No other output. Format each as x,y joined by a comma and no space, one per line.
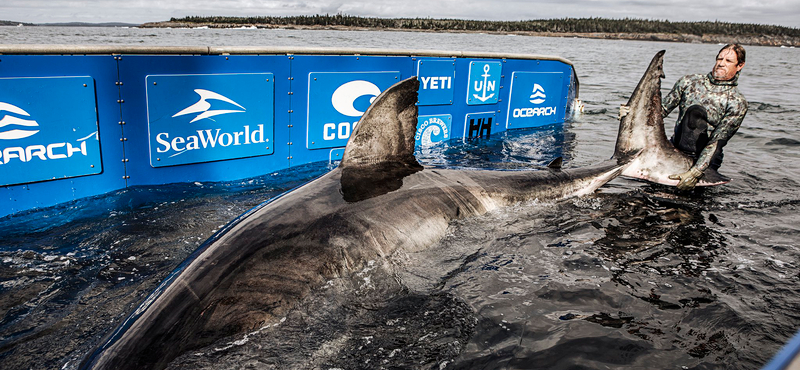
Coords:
671,100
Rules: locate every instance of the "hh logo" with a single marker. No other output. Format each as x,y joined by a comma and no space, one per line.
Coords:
336,101
54,136
484,83
478,125
8,120
202,118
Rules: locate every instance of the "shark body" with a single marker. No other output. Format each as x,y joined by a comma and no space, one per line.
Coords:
378,201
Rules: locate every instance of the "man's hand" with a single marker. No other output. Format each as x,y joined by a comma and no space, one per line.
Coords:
687,179
623,111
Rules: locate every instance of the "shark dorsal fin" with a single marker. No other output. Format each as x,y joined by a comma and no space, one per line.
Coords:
385,133
556,163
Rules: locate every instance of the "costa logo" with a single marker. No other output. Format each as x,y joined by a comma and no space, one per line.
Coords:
337,100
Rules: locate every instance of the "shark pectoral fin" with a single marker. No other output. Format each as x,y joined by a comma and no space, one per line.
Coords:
556,163
385,133
380,152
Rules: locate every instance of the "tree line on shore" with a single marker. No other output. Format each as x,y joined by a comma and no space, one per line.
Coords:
563,25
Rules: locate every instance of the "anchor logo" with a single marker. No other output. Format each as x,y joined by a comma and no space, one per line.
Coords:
484,85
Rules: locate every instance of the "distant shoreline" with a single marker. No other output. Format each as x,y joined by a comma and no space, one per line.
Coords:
697,32
763,40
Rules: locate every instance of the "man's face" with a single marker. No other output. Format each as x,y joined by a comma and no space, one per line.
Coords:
727,65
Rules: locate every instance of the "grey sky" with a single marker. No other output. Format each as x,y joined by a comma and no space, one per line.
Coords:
776,12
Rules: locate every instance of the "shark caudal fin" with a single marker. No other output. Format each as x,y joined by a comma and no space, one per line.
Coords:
642,131
380,152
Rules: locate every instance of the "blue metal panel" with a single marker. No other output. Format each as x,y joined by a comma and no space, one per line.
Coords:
128,133
54,136
436,81
433,129
544,71
535,99
483,82
337,100
461,106
210,117
312,105
210,72
102,78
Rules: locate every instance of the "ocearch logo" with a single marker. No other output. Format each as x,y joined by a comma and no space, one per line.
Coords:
13,134
343,100
203,106
538,96
42,152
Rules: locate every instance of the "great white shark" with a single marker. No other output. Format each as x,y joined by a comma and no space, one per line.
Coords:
377,201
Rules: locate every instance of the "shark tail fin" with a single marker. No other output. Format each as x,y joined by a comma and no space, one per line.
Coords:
643,127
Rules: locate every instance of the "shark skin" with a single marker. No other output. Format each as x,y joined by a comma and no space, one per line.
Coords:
643,130
379,200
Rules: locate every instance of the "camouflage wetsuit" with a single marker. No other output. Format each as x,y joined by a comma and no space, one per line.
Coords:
724,105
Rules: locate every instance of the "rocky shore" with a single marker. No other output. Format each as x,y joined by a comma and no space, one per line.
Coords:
760,40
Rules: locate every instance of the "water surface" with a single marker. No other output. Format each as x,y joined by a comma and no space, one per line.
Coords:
634,276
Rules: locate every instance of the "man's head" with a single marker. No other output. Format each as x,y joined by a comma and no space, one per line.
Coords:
730,60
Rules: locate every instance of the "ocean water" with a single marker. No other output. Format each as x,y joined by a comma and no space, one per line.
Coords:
634,276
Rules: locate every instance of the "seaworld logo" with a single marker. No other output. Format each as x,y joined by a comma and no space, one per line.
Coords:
202,106
208,138
28,153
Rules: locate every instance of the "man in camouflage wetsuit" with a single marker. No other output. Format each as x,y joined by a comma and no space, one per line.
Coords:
706,102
